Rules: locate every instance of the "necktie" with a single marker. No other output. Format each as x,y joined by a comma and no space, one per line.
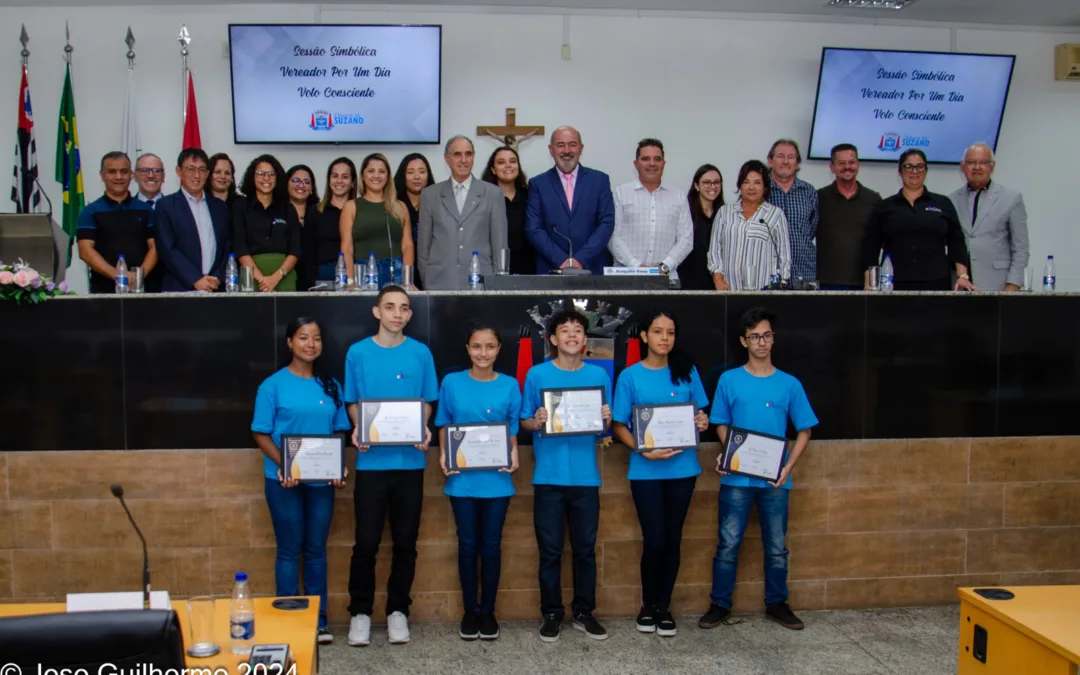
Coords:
975,207
459,197
569,178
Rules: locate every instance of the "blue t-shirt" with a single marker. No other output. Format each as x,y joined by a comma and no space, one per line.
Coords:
563,460
761,404
289,404
376,372
639,385
463,400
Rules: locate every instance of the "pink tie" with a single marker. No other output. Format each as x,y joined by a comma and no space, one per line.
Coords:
569,178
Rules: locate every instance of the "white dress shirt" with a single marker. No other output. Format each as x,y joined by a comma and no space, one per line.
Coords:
461,192
651,227
152,202
205,225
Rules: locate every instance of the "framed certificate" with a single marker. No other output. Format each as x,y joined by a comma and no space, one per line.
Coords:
575,411
313,459
668,425
391,421
472,447
749,453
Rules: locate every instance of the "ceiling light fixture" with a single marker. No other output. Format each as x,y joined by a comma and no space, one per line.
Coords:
869,4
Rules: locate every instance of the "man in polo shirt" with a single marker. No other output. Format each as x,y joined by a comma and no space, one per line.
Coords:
799,202
845,206
150,175
114,225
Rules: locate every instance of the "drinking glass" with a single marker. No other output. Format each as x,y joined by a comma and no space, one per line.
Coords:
137,280
502,262
875,278
751,282
1029,275
247,279
201,623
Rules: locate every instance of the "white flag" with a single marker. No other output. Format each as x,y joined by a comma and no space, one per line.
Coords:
129,139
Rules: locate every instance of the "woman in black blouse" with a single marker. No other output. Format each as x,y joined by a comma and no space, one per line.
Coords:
304,197
222,181
265,227
504,169
322,234
412,176
706,196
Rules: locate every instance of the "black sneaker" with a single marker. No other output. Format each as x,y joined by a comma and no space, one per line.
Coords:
470,626
585,621
665,623
781,613
325,637
714,617
549,630
489,627
646,620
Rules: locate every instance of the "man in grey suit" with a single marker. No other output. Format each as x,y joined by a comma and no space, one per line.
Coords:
995,224
457,217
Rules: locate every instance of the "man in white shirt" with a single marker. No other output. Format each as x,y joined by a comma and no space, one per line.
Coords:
150,175
653,227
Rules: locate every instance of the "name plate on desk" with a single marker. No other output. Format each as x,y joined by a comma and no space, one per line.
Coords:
631,271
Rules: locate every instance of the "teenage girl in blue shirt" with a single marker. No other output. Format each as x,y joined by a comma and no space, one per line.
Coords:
479,498
299,399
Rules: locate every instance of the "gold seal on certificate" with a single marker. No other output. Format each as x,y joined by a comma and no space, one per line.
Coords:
575,411
667,426
470,447
391,422
314,458
749,453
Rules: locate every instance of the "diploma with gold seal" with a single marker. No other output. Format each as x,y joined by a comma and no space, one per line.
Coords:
470,447
753,454
574,411
665,426
313,458
391,422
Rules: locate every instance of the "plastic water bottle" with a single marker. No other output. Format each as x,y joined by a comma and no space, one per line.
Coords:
232,275
774,280
341,273
1049,278
371,274
476,280
887,275
242,616
121,275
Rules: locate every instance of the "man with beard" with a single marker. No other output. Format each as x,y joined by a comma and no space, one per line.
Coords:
799,202
845,206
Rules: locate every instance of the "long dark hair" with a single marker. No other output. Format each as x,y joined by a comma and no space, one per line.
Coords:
520,183
281,192
679,362
479,327
693,195
329,194
326,381
212,164
399,175
312,198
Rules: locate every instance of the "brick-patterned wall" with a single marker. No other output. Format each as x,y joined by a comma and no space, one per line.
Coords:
873,523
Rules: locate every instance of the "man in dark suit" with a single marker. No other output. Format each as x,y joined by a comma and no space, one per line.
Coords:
569,203
191,229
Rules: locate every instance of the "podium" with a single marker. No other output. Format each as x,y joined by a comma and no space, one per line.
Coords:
575,282
29,236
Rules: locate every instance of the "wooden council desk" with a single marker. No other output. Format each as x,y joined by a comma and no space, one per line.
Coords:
297,628
1035,633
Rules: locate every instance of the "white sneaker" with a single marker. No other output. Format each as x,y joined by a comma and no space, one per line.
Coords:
360,631
397,628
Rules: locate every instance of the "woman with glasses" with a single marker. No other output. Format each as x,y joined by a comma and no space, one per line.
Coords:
223,178
322,238
303,196
706,196
376,222
749,241
920,232
266,229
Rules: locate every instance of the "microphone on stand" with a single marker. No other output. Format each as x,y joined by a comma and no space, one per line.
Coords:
118,491
56,258
569,271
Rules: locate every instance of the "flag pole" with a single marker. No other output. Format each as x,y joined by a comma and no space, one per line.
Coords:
184,39
68,49
130,42
25,53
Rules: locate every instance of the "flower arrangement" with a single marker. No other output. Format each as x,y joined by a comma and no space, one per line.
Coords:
20,282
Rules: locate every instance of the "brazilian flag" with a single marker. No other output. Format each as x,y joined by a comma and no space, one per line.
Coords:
68,166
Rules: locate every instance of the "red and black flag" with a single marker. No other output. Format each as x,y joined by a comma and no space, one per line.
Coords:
24,188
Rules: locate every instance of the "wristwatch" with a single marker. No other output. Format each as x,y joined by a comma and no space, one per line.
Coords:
664,269
964,276
282,272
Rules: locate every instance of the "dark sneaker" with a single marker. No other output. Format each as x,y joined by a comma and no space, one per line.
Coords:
781,613
714,617
489,627
665,623
325,637
470,626
549,630
587,622
646,620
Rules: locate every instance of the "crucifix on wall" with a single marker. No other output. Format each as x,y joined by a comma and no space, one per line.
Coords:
511,134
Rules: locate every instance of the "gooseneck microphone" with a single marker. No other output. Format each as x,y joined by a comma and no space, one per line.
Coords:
118,491
569,242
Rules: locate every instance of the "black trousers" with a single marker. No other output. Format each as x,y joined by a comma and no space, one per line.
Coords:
401,493
661,506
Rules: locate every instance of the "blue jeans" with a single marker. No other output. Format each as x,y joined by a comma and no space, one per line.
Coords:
553,507
301,516
735,503
661,507
479,533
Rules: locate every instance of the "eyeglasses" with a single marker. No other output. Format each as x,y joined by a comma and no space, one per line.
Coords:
460,154
914,168
300,181
979,163
755,338
266,174
711,183
150,172
200,170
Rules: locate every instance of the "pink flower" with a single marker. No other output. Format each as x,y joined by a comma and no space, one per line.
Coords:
7,278
22,278
31,273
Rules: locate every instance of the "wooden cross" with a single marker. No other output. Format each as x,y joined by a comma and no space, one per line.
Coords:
508,134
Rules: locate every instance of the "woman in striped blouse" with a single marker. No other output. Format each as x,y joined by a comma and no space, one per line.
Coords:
750,237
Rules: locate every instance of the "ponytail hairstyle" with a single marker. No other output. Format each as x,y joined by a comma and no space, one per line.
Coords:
481,326
326,381
679,363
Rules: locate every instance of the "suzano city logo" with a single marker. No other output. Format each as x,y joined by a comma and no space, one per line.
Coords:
323,120
894,142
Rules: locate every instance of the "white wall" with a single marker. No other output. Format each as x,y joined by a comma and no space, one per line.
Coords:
715,88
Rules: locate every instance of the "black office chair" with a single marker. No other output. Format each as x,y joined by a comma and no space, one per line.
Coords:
125,639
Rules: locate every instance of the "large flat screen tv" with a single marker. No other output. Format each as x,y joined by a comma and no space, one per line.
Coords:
887,101
335,83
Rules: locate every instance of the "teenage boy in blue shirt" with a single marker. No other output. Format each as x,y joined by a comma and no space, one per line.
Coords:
757,397
389,479
566,482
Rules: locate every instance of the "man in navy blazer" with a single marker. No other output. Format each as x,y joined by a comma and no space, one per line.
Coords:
191,229
569,202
